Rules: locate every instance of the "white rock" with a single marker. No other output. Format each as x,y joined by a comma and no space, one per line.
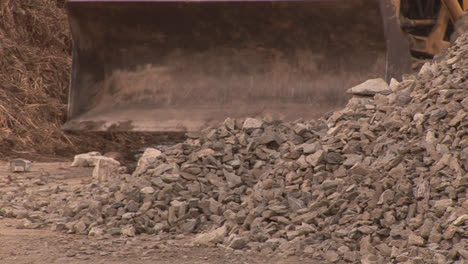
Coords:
149,157
460,220
426,68
371,87
210,238
105,169
86,159
252,123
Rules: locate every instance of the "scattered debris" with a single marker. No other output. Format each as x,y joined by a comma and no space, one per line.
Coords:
382,180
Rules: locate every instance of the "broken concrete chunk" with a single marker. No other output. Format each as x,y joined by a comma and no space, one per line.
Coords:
105,169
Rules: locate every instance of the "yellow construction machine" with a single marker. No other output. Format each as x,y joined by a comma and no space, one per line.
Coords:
180,65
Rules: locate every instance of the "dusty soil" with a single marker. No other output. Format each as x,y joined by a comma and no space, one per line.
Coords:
43,245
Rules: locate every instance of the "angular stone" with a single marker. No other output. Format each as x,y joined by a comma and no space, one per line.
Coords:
188,176
352,159
311,148
215,180
359,169
331,256
464,103
461,114
295,204
414,240
442,205
212,237
333,158
128,216
425,230
205,152
314,159
214,206
305,229
422,190
269,137
463,219
80,227
105,169
239,243
96,231
365,247
233,180
86,159
300,128
435,237
147,190
190,225
330,184
386,197
371,87
463,253
230,124
251,124
132,206
170,178
147,160
449,232
437,114
128,230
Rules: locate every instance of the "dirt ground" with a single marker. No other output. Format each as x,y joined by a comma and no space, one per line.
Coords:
43,245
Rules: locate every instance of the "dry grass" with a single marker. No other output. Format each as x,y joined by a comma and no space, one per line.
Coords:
35,64
34,68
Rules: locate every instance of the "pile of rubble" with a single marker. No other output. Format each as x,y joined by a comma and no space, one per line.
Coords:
383,179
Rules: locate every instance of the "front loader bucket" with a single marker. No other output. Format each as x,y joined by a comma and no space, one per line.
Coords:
182,65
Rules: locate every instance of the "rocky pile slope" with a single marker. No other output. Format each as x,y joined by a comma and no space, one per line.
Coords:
384,179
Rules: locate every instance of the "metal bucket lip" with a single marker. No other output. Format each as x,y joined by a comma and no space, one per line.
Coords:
188,1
